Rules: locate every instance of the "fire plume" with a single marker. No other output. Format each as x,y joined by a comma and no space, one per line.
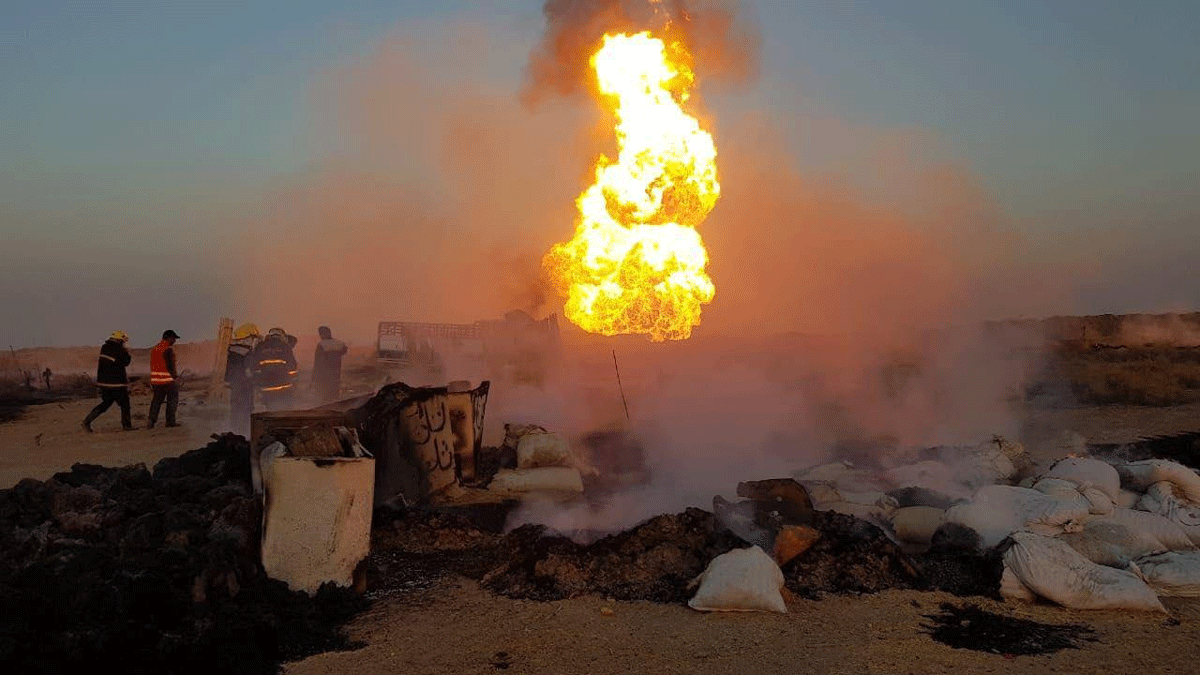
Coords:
636,262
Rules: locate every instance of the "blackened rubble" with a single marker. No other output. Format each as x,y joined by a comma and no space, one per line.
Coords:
151,572
653,561
970,627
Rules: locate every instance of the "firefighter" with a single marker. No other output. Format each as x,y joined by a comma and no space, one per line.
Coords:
327,366
164,379
239,377
112,380
274,361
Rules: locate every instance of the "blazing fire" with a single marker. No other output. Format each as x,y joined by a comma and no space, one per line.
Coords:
636,263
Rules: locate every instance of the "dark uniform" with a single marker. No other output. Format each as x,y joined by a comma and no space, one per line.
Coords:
113,382
241,385
275,372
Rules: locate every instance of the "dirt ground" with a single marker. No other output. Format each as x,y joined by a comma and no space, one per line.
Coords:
458,628
48,438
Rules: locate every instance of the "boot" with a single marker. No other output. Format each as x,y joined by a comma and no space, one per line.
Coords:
87,425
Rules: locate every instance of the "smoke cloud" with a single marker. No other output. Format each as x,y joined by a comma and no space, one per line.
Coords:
848,301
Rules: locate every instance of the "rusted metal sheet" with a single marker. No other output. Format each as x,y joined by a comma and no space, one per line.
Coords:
424,439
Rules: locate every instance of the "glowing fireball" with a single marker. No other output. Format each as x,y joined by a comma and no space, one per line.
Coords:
636,263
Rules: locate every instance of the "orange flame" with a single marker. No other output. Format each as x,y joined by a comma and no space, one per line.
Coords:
636,263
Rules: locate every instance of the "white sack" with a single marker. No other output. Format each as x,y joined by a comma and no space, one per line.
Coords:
916,524
1172,536
865,505
560,479
1109,542
930,475
1172,573
1055,571
1127,499
979,466
1139,476
821,492
1164,498
828,472
1087,473
1011,587
997,511
742,580
536,450
1094,499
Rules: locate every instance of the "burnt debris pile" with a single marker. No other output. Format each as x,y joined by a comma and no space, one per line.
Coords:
151,572
819,552
849,556
656,560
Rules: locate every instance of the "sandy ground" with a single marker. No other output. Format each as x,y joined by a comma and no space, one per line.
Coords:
458,628
49,438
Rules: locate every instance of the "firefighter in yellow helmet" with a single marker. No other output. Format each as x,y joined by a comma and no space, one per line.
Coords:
239,375
275,369
112,380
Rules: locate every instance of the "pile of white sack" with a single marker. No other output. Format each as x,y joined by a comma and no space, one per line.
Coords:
545,464
1086,534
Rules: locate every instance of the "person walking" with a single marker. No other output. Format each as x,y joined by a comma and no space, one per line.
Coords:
164,379
327,366
239,377
112,380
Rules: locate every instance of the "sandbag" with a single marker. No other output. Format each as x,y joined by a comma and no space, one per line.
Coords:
1164,498
1172,573
1055,571
828,472
930,475
1086,473
1172,536
742,580
555,479
865,505
1097,501
1139,476
536,450
1127,499
1011,587
1109,542
916,524
979,466
996,511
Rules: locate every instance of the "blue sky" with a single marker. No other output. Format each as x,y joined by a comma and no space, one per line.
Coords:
116,118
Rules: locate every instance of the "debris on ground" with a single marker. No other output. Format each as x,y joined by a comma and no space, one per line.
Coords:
142,571
851,556
655,560
969,627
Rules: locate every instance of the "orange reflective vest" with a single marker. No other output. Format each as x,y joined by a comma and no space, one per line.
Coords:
160,373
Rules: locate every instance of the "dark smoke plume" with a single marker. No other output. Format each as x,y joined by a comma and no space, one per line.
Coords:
723,43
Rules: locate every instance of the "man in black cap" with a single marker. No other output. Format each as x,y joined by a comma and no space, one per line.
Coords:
164,379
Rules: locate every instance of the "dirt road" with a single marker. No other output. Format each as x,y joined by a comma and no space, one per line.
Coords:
48,438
